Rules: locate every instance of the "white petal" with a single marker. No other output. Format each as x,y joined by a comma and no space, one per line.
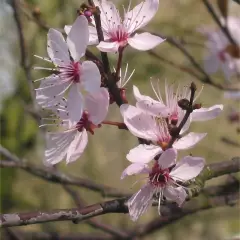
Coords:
177,195
97,105
140,201
57,47
187,168
135,168
93,37
144,41
75,105
149,105
77,146
108,46
109,14
189,140
90,78
67,29
78,37
211,63
167,158
143,153
227,70
204,114
140,15
57,145
139,97
139,123
48,95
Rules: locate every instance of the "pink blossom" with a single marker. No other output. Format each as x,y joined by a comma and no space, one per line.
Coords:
119,33
220,52
164,179
170,109
69,73
155,129
72,138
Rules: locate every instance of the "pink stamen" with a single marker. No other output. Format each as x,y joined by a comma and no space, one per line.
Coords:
70,71
159,177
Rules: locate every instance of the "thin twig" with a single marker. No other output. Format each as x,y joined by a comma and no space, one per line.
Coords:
217,20
56,176
24,59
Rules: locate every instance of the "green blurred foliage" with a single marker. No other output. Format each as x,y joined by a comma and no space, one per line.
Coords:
104,159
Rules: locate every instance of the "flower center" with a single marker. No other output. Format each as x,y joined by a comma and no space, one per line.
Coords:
159,177
119,34
84,122
70,72
163,133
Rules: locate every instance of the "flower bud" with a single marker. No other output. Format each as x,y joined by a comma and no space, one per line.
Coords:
184,104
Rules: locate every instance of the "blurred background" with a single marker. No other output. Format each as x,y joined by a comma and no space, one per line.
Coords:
104,159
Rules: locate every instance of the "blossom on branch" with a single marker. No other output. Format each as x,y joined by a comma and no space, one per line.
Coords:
119,32
69,73
221,53
154,129
170,107
74,123
164,179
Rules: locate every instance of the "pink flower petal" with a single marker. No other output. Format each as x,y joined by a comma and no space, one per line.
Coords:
140,201
97,105
144,41
167,158
57,47
75,105
108,46
204,114
141,15
177,195
109,14
57,145
135,168
189,140
77,146
139,123
77,43
143,153
187,168
90,78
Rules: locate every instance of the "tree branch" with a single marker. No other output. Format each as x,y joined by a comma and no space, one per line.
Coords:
118,205
55,176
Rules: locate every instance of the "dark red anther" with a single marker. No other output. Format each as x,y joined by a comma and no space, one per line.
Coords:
197,106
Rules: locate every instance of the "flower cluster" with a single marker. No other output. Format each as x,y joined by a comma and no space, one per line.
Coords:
77,100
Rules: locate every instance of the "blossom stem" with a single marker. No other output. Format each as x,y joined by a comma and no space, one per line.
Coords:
189,110
97,20
120,125
119,63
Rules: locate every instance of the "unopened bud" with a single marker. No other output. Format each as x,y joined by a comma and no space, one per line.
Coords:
184,104
193,86
123,95
197,106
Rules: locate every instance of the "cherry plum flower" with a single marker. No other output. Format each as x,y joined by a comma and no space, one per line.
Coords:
221,53
72,138
119,32
170,108
69,73
154,129
164,179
